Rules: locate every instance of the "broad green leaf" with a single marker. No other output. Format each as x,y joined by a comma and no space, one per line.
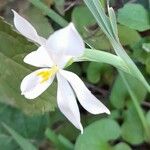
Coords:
119,94
99,41
94,72
125,39
115,114
97,135
93,36
75,68
121,146
82,24
23,143
97,70
13,48
137,106
139,53
134,16
132,129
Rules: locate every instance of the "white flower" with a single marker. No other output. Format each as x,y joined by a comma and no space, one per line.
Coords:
52,56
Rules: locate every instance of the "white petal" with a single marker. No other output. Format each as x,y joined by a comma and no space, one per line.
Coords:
66,41
26,29
31,87
39,58
67,102
85,97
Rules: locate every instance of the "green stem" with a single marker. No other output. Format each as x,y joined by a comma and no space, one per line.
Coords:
137,106
52,14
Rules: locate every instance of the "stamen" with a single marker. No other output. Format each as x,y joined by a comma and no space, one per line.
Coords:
46,74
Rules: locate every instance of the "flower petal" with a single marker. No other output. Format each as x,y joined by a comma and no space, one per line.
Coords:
31,86
26,29
67,102
85,97
39,58
66,41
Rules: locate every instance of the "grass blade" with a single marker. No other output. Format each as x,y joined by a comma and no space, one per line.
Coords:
49,12
22,142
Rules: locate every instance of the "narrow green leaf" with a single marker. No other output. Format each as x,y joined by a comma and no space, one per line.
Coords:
101,19
66,142
146,47
24,143
105,57
104,18
113,21
51,13
58,140
97,16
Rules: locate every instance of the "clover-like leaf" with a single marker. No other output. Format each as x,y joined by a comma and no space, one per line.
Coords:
134,16
97,135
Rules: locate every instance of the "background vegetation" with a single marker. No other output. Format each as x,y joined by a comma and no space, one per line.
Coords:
32,125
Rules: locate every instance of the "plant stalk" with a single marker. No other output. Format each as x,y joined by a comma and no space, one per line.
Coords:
49,12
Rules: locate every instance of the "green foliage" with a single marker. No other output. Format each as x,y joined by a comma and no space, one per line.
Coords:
60,141
134,16
132,130
146,47
119,94
7,142
96,72
148,118
50,12
122,146
39,22
128,39
128,126
29,127
97,135
93,36
13,48
23,143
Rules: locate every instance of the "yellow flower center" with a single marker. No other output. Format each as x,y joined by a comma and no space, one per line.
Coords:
46,74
